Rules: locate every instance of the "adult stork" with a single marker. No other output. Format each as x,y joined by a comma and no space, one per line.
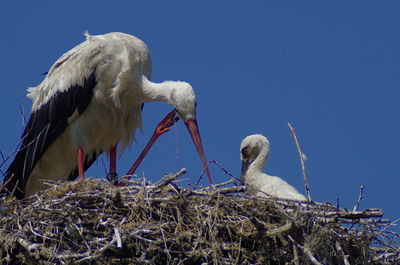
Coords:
254,152
90,102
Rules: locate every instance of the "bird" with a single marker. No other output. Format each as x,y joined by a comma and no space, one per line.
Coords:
90,102
254,152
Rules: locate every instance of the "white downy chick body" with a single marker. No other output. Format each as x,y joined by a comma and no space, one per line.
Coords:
254,152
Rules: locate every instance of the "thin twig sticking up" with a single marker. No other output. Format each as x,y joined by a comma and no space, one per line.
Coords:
360,197
302,158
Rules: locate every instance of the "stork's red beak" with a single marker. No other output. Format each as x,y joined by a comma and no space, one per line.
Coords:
163,127
194,133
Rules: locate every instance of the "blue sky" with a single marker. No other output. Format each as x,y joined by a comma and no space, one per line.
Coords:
330,68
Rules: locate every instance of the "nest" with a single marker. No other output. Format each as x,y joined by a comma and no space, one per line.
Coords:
90,222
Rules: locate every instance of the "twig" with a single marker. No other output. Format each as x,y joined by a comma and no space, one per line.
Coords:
306,251
98,253
391,224
71,256
341,252
6,183
80,231
215,186
337,204
217,191
366,221
168,179
223,169
302,156
2,156
360,197
5,159
296,259
28,246
22,112
368,213
118,237
220,167
135,234
280,230
387,255
2,162
166,247
240,245
36,233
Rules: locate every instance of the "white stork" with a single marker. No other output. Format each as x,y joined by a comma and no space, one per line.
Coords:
90,102
254,151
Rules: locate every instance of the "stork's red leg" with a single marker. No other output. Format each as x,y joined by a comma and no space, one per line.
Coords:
81,162
112,175
161,128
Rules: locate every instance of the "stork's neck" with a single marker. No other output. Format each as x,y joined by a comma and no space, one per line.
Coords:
157,91
257,166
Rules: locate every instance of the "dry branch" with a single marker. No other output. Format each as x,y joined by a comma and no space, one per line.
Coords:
302,162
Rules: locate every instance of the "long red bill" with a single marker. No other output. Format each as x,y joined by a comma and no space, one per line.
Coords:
161,128
194,133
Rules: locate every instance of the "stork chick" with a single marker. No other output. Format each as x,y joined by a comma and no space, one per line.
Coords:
254,152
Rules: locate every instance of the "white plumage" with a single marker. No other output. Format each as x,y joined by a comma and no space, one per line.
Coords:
91,100
254,151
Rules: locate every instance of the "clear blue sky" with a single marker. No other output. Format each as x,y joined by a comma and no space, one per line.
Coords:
331,68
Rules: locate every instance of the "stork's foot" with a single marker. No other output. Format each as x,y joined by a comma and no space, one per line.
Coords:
112,177
121,184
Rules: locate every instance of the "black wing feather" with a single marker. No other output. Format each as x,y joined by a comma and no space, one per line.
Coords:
45,125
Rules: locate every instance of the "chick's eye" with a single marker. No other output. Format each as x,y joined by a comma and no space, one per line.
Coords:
245,152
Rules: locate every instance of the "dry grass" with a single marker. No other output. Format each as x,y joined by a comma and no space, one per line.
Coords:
88,222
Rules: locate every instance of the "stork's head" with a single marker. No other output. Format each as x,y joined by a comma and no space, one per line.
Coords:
184,101
181,96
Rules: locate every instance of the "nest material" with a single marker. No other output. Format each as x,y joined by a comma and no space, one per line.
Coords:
88,222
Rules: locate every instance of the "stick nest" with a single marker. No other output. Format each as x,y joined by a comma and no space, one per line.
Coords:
89,222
